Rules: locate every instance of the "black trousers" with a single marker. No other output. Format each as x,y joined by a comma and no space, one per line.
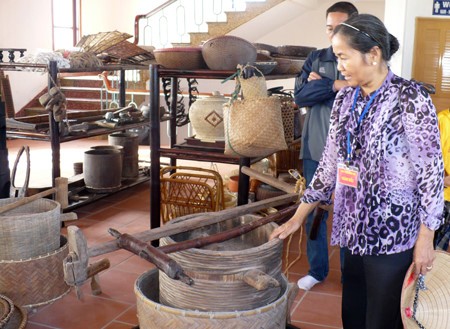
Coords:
372,289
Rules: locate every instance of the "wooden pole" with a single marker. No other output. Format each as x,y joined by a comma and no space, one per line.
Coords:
153,255
272,181
229,234
196,221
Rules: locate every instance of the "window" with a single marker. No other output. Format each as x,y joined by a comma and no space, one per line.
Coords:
66,23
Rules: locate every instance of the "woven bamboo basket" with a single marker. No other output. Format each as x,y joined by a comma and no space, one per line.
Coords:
283,161
287,115
35,281
153,315
218,269
11,316
190,190
29,230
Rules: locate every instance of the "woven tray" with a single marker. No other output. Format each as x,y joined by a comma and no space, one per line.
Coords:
125,49
35,281
97,43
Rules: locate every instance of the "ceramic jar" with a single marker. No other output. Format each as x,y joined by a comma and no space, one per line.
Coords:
206,117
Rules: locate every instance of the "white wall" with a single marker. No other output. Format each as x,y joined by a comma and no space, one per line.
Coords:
25,24
401,18
298,22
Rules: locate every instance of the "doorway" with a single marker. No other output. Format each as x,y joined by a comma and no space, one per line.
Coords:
431,62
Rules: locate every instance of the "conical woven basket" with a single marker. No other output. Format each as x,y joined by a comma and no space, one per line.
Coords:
431,307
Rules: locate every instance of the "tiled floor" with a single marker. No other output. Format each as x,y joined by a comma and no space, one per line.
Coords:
128,211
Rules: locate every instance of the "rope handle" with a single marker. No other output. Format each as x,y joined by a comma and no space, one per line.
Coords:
238,75
419,286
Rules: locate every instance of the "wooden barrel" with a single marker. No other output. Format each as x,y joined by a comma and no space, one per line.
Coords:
153,315
35,281
30,230
102,170
218,270
130,160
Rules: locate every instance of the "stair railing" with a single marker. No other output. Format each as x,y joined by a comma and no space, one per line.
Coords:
172,21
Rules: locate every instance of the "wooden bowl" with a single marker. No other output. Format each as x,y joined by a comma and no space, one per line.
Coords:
182,58
283,65
226,52
296,65
295,51
266,67
264,46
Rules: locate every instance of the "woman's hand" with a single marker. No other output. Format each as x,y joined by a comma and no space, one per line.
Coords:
295,222
286,229
424,253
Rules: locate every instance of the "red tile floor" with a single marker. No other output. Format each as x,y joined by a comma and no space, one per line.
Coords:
128,211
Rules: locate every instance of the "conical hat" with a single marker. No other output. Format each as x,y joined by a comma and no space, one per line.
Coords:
432,309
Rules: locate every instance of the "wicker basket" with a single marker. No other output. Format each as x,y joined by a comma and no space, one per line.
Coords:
11,316
287,115
218,269
30,230
153,315
101,41
282,161
190,190
35,281
183,58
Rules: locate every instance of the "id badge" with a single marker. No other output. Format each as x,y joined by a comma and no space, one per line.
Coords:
347,175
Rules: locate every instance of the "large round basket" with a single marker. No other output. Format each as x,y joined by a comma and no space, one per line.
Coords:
35,281
11,316
225,52
218,270
29,230
153,315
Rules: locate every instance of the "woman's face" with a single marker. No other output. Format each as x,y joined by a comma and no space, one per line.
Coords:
357,69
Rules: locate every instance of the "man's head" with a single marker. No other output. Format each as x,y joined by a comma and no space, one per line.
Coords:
338,13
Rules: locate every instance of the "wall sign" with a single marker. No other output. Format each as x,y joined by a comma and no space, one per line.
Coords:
441,7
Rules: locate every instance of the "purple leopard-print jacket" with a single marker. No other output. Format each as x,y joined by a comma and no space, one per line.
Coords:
400,180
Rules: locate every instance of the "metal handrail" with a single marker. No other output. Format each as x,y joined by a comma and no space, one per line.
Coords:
174,20
150,13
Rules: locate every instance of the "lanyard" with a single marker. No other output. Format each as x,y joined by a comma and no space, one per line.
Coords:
361,117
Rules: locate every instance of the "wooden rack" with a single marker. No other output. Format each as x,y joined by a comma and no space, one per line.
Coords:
180,150
54,136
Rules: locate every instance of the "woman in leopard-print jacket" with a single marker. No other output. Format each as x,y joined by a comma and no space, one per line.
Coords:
383,162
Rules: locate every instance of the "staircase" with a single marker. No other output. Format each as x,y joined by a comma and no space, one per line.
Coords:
87,92
191,22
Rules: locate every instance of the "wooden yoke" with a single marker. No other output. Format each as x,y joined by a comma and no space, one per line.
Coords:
76,268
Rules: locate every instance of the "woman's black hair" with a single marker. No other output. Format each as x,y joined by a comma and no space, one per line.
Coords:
364,31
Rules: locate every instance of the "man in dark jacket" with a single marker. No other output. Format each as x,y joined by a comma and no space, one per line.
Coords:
315,89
